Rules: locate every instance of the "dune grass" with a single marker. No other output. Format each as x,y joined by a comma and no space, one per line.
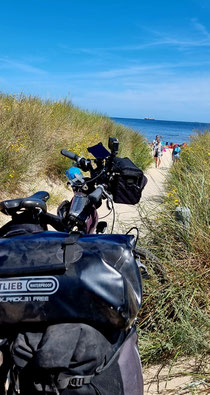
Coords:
175,318
32,132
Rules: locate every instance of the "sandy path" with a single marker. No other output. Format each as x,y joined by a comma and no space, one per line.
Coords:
181,377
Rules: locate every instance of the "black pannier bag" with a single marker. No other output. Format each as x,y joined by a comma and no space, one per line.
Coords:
52,277
89,365
128,181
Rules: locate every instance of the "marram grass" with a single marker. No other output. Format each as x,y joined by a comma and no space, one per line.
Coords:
33,132
175,317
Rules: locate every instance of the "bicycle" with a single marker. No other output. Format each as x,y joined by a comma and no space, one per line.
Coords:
82,186
47,286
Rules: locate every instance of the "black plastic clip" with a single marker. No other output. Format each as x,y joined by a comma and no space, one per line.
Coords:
79,381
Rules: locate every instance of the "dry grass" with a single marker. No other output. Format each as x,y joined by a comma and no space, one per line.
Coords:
32,132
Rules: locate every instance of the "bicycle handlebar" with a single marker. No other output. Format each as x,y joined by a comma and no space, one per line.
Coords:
96,195
70,155
82,163
54,220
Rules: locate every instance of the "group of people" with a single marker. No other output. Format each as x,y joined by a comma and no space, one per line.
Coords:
158,148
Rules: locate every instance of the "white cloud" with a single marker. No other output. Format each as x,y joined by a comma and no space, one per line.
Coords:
201,28
6,63
161,40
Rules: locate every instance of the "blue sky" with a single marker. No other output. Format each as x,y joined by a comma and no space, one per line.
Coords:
122,58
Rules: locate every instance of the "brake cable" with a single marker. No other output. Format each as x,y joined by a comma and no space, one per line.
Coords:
137,232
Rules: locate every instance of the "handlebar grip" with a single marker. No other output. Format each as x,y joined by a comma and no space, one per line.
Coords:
69,154
96,195
54,220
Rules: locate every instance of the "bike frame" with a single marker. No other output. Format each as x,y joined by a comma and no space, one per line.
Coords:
82,213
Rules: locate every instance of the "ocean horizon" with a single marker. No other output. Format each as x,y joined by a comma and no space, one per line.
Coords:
176,132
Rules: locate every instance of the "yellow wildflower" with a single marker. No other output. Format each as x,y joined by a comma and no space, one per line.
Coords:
12,174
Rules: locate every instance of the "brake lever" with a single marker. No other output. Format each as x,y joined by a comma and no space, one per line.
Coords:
108,204
109,201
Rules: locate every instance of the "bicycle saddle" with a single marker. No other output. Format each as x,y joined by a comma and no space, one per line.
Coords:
10,207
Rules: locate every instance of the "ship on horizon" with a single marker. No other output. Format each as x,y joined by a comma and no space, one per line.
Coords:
149,118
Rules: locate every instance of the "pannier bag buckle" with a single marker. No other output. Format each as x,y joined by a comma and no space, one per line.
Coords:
79,381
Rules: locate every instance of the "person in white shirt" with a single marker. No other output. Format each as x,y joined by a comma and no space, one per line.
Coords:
157,151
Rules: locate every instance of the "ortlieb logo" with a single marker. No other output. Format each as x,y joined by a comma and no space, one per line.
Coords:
45,285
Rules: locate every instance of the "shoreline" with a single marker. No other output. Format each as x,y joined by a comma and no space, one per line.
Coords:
177,132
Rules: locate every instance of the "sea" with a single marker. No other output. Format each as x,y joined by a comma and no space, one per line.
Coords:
176,132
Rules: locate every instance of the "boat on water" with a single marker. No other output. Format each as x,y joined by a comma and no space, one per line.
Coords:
149,118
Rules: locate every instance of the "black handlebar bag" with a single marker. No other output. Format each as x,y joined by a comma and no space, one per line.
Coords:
128,181
52,277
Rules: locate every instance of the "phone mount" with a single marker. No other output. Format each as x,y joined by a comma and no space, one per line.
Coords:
113,145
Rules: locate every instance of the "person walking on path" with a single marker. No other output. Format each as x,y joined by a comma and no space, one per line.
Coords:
175,153
154,143
157,152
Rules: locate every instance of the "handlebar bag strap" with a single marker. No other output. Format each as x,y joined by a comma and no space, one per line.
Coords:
71,250
128,182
